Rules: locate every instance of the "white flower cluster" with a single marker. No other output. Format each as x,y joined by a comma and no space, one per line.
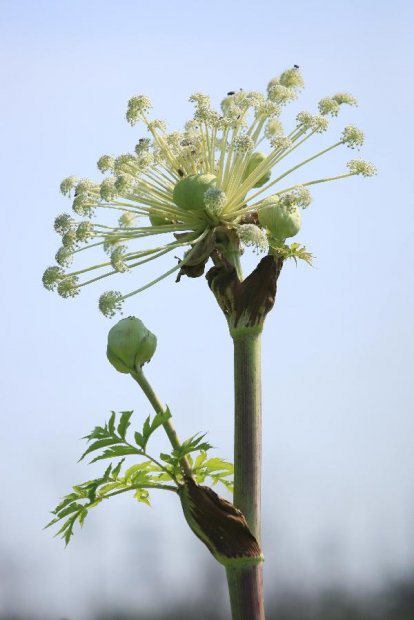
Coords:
352,137
252,236
215,200
137,106
362,167
214,174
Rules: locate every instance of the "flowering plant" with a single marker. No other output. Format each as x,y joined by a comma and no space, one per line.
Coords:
215,188
208,186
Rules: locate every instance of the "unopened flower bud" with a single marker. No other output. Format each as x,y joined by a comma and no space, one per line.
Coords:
189,192
157,218
255,160
280,219
130,345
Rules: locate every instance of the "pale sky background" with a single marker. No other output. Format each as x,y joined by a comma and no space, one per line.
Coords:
338,493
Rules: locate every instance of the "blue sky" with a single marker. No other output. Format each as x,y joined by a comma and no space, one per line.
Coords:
338,496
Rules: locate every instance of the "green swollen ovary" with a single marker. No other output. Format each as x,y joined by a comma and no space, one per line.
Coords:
281,221
189,192
255,160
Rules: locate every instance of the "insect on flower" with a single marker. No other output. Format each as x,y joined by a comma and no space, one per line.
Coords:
210,187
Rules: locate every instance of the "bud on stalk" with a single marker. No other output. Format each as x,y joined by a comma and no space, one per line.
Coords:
130,345
280,220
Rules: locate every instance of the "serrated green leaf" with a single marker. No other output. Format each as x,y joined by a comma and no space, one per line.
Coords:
69,531
107,472
146,429
217,464
82,516
143,496
140,477
80,491
144,466
160,418
68,499
117,469
117,451
111,423
110,487
168,458
202,446
163,476
99,432
192,444
139,440
199,460
64,513
100,443
124,423
68,524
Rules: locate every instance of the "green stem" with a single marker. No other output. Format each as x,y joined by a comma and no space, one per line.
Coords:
246,584
159,407
148,485
231,251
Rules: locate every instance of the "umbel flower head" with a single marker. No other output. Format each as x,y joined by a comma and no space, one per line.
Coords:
217,185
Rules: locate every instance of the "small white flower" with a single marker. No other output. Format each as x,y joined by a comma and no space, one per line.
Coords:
329,105
137,106
298,197
68,287
243,143
274,128
346,98
127,219
110,303
68,185
106,163
64,256
107,190
118,259
253,236
313,122
63,223
84,231
362,167
292,78
142,146
69,239
83,205
352,137
52,277
215,200
281,142
280,94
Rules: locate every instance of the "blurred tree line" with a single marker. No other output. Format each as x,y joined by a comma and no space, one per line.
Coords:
394,602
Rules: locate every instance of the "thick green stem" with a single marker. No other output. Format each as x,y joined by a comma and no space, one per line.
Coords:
159,407
246,584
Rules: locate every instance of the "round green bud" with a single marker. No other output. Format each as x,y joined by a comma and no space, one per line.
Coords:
158,220
254,161
130,345
189,192
280,220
